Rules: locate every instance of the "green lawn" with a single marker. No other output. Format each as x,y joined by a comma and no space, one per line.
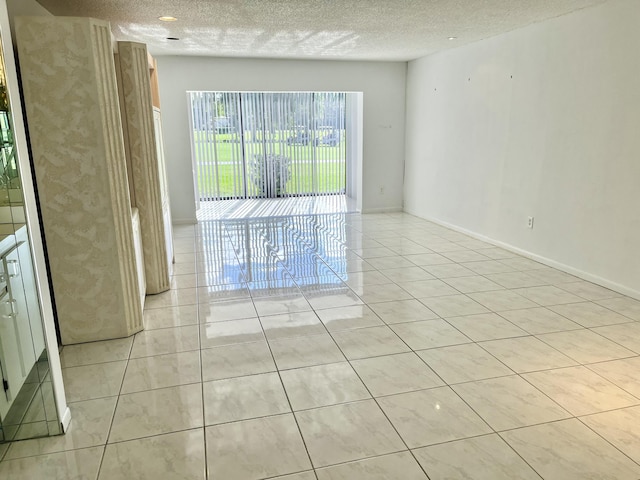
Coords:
329,173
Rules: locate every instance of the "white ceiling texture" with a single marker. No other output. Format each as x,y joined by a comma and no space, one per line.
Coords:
313,29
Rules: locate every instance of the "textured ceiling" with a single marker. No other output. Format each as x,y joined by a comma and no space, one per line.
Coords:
327,29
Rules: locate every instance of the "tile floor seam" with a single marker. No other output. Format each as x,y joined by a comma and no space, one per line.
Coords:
630,320
487,340
284,389
453,384
289,474
533,334
606,439
346,462
586,363
204,404
522,428
613,341
383,411
609,410
113,415
203,416
515,372
549,396
144,437
489,435
637,397
520,456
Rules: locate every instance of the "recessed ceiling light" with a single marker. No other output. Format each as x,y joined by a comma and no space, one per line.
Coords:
167,19
453,38
173,38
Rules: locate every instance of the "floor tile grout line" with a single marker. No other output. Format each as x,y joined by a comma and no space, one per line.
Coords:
372,397
545,394
153,435
369,457
548,423
610,340
444,382
548,307
605,439
476,413
382,410
121,394
578,361
480,344
204,405
637,397
526,462
115,410
277,477
284,389
572,415
345,330
93,364
376,401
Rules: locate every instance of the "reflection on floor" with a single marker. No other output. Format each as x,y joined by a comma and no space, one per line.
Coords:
274,207
349,347
32,413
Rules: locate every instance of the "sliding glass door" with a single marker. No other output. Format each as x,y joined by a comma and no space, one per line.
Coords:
268,145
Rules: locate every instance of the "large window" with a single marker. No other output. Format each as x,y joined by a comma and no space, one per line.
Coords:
265,145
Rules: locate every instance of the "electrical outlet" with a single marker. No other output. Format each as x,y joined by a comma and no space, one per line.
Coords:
530,222
381,189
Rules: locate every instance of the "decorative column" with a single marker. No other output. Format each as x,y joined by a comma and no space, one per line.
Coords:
142,158
73,116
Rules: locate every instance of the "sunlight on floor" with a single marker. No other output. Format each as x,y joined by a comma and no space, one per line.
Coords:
274,207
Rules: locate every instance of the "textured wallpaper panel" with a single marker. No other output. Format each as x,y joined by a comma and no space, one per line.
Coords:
73,118
137,118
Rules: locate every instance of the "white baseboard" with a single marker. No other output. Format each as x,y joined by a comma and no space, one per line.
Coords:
611,285
65,420
382,210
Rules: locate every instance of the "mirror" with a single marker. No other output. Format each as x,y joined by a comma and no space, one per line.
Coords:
27,404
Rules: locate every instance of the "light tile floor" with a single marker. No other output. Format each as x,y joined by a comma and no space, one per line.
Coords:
354,347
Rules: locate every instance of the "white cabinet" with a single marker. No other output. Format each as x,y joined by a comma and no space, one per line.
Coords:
11,362
21,336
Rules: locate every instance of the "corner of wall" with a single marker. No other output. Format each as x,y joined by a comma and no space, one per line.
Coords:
17,8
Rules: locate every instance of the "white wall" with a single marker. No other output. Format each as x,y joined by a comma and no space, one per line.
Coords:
353,131
559,141
383,85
